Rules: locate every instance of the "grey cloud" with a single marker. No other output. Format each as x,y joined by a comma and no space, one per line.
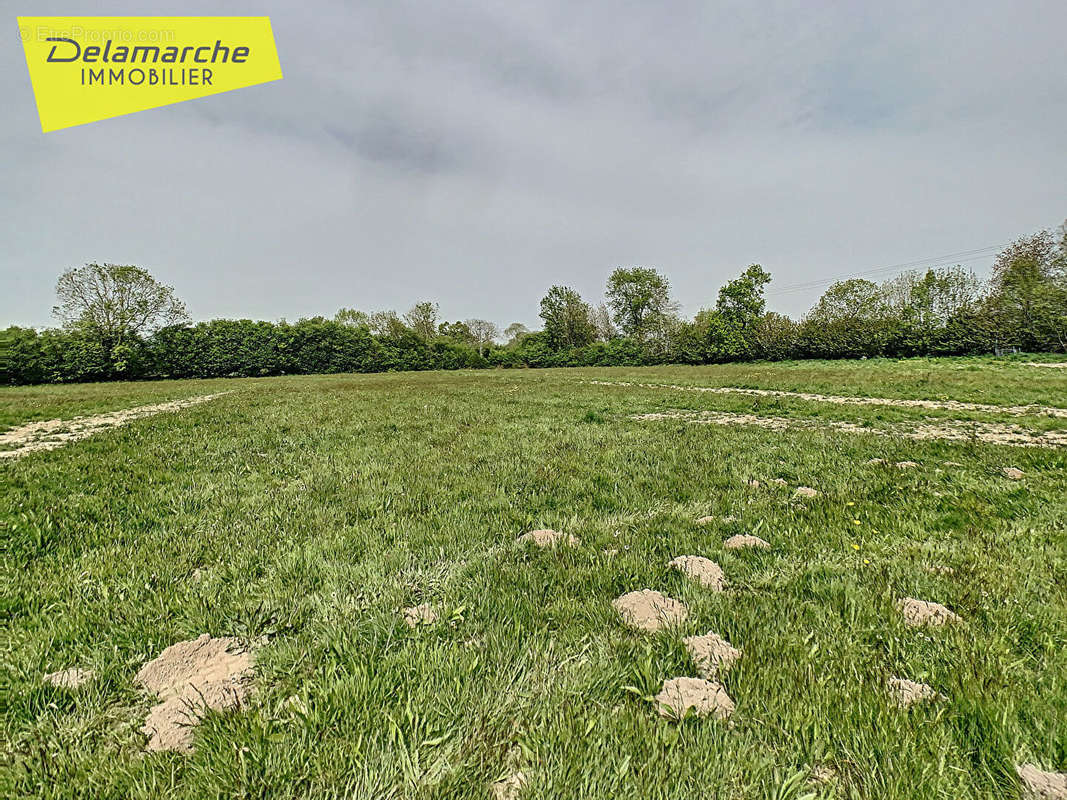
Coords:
478,153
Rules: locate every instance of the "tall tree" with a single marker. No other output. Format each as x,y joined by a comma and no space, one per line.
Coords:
640,299
115,303
352,317
484,331
458,332
422,318
600,317
741,301
1029,291
384,323
566,318
514,333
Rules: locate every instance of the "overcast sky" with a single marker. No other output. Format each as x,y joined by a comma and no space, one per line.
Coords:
476,154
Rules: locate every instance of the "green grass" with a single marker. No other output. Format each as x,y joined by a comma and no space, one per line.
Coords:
315,507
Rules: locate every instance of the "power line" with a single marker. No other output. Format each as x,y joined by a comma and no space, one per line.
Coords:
949,259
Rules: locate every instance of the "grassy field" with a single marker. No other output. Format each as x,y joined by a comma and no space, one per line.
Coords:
302,513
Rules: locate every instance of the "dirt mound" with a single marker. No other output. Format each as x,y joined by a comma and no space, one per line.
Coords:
648,610
711,654
1013,474
549,538
422,614
703,570
53,433
69,678
806,491
705,698
743,540
508,788
1041,785
190,678
922,612
907,693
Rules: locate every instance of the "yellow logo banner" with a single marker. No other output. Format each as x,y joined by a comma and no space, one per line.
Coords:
85,69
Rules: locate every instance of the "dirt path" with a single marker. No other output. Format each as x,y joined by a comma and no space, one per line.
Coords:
988,432
940,405
52,433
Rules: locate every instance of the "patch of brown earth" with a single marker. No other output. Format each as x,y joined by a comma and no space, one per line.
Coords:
806,491
69,678
549,538
941,405
1041,785
702,570
711,654
823,775
1013,474
950,431
50,434
921,612
704,698
743,540
508,788
907,693
648,610
191,677
422,614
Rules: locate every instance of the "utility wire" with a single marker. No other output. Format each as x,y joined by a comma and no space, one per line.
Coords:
949,259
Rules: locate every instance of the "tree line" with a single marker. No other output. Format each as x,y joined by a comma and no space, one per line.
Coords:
119,323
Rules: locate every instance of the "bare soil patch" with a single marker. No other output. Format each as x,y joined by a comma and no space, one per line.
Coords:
743,540
422,614
933,405
952,431
71,678
649,610
190,678
508,788
1012,473
702,570
50,434
907,693
1041,785
806,491
705,698
711,654
549,538
922,612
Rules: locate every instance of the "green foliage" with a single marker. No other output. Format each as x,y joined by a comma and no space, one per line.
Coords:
640,301
944,311
567,319
114,302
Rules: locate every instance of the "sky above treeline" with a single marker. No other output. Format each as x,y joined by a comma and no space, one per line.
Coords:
476,154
